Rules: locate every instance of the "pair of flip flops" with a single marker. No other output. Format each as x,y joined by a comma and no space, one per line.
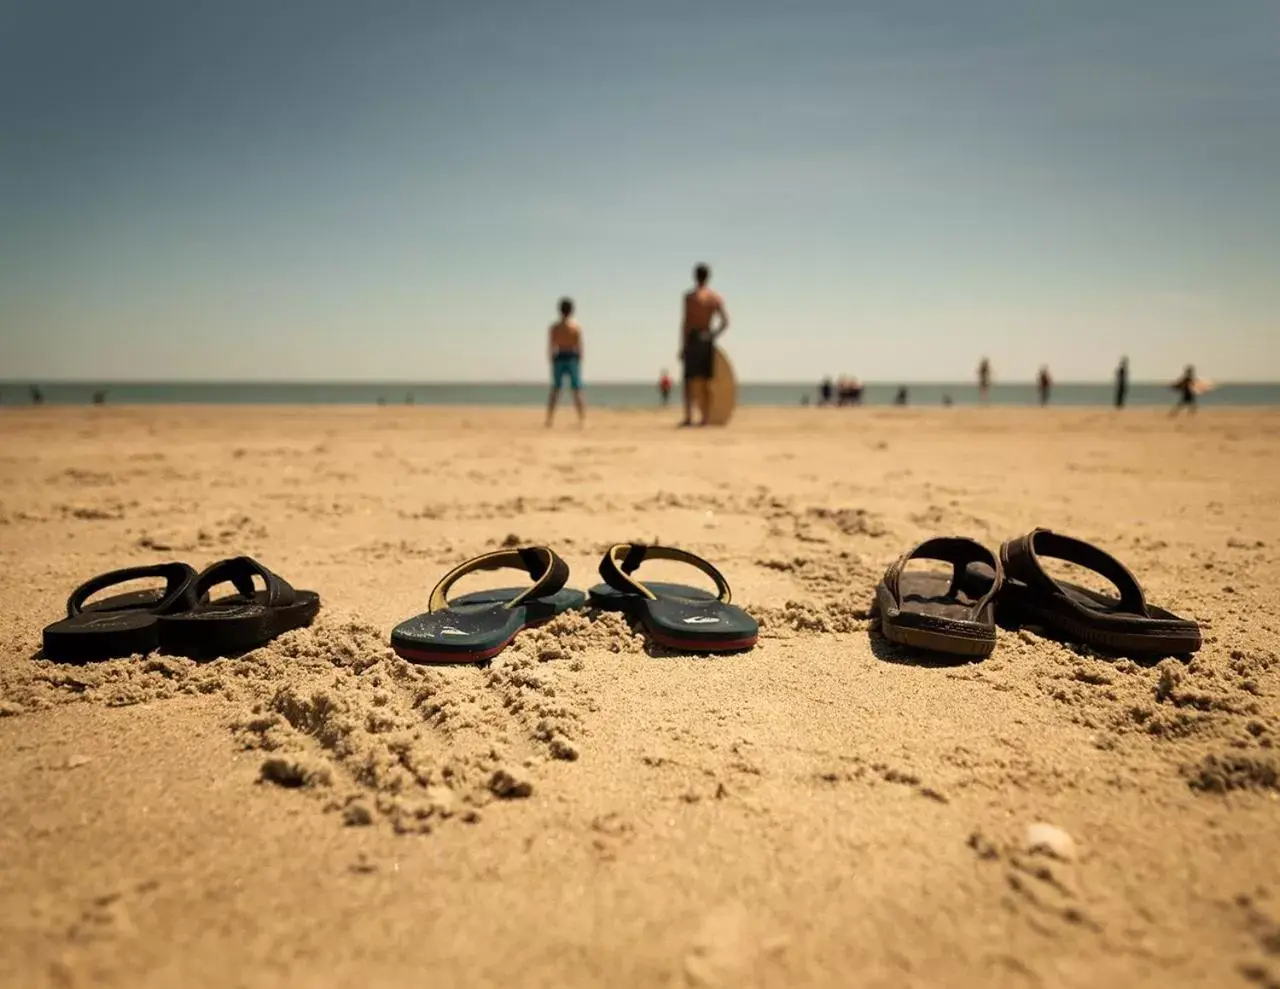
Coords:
476,627
181,618
955,613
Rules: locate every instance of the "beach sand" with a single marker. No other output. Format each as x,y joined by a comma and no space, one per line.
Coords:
823,810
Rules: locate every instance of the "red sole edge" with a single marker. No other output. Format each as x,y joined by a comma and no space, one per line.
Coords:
703,645
448,658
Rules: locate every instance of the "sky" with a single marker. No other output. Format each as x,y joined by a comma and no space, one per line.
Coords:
402,189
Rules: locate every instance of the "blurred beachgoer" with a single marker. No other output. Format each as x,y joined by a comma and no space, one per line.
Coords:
984,380
849,392
1044,382
705,318
901,397
37,396
664,388
564,347
1122,382
825,391
946,401
100,398
1186,388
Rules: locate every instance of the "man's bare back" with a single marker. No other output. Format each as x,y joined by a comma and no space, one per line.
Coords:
566,337
700,306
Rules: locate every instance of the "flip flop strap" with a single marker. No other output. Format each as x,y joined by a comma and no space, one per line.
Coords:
240,571
177,592
1022,561
549,573
618,574
959,551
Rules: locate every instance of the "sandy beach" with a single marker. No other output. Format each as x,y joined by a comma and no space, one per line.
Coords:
826,809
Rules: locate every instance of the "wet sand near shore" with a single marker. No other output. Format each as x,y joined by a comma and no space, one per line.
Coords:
826,809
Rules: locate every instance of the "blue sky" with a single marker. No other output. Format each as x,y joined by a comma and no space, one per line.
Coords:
396,189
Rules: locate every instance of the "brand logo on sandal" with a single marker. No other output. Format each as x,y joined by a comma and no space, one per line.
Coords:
452,631
701,620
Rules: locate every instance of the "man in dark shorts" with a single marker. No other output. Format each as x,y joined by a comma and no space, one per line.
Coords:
705,319
564,347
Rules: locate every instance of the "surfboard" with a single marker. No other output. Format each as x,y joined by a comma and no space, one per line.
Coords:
721,392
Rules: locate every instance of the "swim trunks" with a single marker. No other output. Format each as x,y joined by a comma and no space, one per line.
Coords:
699,354
567,364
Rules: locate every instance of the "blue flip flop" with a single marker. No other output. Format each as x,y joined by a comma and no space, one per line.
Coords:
674,615
476,627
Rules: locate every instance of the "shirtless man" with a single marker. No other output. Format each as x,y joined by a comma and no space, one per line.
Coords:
565,350
702,308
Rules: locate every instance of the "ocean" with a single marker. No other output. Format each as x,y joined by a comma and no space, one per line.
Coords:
603,395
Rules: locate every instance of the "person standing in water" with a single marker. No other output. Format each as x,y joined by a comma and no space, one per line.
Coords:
1186,389
1122,382
703,309
984,380
664,388
1045,384
565,351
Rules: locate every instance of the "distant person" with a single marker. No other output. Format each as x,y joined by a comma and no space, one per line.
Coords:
703,310
946,401
664,388
984,380
100,398
565,350
901,397
849,392
1186,388
1044,383
37,396
825,391
1122,382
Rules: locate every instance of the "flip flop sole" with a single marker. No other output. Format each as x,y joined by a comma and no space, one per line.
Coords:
934,641
701,645
672,622
410,644
94,635
233,628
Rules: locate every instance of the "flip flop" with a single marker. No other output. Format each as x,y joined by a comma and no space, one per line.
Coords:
121,625
476,627
235,624
1127,624
941,612
674,615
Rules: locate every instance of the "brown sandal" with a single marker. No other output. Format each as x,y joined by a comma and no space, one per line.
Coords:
1127,624
951,613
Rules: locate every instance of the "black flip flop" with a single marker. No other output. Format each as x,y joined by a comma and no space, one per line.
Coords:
941,612
121,625
1126,624
235,624
476,627
674,615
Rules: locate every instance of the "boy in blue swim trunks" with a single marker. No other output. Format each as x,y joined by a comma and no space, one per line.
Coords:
565,347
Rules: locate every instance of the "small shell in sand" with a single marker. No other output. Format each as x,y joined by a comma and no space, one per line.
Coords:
1050,840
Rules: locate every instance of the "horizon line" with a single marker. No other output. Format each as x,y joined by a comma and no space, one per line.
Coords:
479,383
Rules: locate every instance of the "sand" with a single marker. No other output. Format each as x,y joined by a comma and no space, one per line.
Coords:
824,810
